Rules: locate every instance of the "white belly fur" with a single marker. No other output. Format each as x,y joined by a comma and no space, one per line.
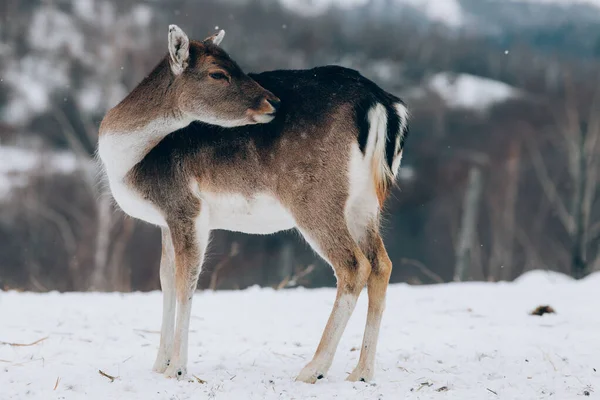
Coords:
261,214
134,205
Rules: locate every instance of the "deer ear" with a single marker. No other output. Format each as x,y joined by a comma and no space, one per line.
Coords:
179,49
216,38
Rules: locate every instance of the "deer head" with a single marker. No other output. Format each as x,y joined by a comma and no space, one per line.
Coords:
210,87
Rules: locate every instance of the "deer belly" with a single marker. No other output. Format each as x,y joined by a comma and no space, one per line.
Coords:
135,205
261,214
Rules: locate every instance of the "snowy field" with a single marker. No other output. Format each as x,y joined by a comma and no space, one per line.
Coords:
454,341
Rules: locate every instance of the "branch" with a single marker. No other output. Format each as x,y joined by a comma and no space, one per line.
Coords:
214,277
573,126
59,220
421,267
550,188
70,135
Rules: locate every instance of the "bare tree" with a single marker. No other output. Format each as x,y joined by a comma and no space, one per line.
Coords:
578,138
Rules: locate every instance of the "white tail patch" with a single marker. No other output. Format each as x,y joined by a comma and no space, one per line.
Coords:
403,115
380,171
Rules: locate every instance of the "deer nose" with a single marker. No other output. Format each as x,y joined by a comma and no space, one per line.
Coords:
275,103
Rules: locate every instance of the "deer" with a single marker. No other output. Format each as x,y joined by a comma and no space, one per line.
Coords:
199,145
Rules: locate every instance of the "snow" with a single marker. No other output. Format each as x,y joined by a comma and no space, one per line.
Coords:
453,341
17,163
566,3
539,275
470,91
54,31
446,11
57,41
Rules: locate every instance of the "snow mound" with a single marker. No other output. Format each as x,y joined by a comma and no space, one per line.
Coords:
540,276
470,91
593,279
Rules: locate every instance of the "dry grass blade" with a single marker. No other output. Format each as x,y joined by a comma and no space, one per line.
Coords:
424,384
147,331
57,382
112,378
200,381
24,344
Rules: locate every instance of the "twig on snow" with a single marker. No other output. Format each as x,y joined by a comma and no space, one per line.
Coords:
547,357
24,344
112,378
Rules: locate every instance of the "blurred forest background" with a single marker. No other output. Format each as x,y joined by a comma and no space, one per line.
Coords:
501,170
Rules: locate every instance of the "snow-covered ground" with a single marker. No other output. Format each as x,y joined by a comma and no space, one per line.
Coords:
454,341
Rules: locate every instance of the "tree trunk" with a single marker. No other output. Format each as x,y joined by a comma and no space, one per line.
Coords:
501,259
578,256
100,279
286,262
468,228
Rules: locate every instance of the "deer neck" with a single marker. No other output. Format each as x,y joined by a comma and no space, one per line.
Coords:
137,124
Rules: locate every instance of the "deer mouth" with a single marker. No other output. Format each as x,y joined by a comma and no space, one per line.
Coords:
266,111
263,118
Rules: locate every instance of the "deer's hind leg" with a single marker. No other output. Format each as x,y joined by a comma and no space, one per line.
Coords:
328,234
363,222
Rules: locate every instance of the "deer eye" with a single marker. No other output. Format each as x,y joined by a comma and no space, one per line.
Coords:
218,76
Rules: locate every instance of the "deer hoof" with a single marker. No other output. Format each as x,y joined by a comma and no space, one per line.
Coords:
309,374
177,372
359,375
161,364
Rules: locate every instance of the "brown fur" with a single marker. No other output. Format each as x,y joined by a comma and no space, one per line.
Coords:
161,95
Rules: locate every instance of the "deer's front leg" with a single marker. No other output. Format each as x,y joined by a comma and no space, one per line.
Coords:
167,284
190,238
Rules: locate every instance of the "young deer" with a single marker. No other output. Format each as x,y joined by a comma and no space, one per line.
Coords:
320,160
